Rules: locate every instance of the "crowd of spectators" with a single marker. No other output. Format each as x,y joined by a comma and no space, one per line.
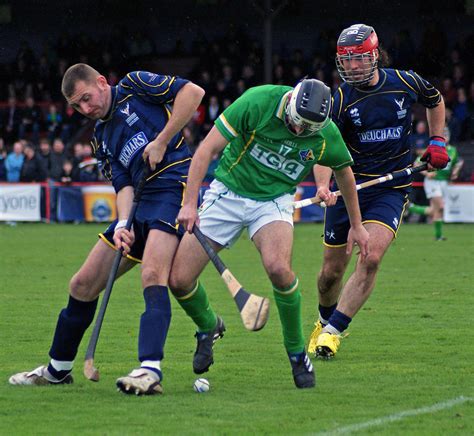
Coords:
38,131
28,162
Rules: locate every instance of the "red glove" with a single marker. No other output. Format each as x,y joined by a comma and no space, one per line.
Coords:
436,154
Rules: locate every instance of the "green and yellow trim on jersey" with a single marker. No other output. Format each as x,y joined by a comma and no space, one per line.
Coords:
247,145
227,126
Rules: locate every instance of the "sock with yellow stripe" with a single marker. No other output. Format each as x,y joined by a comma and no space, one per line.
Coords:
288,301
196,305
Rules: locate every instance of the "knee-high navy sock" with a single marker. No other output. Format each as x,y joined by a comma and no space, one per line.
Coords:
154,323
72,323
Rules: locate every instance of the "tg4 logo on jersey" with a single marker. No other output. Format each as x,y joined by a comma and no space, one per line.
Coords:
279,161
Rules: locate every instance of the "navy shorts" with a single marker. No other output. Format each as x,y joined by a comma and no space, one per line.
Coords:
157,210
377,205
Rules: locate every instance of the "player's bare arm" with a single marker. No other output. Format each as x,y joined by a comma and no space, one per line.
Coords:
185,105
212,144
322,176
122,237
357,234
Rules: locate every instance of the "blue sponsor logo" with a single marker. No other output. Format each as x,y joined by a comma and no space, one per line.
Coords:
130,148
377,135
101,211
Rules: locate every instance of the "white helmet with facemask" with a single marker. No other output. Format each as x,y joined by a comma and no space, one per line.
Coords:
309,108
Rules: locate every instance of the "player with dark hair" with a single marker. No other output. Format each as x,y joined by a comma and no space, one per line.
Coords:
271,138
140,118
373,110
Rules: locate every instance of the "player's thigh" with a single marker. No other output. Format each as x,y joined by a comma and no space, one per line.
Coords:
222,214
188,263
160,249
274,241
92,277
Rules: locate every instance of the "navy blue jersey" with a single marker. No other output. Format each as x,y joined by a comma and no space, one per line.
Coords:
376,122
141,107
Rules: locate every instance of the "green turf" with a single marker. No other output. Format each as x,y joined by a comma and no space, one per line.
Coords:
410,347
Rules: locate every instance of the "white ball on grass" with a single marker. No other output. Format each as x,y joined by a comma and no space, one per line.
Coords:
201,385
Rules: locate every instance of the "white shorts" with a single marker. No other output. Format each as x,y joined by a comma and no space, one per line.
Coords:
434,188
223,215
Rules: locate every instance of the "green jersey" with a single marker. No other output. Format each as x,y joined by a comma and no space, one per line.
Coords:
445,173
263,159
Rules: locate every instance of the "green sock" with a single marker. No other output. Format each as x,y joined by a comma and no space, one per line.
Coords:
288,302
438,225
197,307
419,210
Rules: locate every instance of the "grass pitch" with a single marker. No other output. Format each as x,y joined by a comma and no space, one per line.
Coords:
406,367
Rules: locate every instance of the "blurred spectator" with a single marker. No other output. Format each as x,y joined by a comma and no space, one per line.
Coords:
87,151
67,175
30,120
44,155
226,103
3,156
240,88
448,91
77,158
53,122
11,121
72,120
58,156
14,162
461,111
22,79
279,75
454,125
32,169
88,170
459,76
248,76
420,136
212,112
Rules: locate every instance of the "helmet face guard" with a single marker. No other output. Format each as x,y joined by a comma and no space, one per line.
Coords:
309,108
357,55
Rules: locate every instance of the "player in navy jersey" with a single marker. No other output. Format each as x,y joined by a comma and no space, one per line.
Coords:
145,111
373,110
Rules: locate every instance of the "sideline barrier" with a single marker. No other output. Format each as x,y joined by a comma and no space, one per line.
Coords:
95,202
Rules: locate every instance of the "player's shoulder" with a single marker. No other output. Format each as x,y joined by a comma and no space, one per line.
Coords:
407,78
143,78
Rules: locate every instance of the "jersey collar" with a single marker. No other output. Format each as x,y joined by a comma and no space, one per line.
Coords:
380,83
280,111
114,91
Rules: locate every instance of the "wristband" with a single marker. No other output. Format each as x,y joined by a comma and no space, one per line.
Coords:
439,141
120,225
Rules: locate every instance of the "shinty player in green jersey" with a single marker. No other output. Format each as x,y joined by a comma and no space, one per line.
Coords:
271,137
435,185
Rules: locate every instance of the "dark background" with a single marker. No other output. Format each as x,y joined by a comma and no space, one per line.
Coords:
227,46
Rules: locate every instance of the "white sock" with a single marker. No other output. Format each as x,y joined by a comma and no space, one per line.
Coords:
61,365
155,364
323,321
331,329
